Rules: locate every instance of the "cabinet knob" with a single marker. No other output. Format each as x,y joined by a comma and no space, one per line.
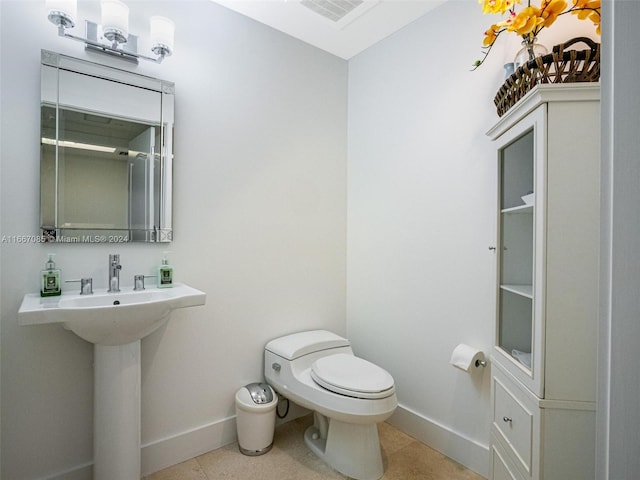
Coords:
507,419
492,248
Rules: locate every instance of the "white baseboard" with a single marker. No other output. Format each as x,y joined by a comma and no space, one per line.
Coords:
169,451
180,447
81,472
468,452
183,446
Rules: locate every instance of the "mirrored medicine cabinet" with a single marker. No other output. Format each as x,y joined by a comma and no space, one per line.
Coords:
106,154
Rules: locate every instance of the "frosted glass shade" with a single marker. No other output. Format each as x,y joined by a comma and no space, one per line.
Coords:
62,12
115,17
162,31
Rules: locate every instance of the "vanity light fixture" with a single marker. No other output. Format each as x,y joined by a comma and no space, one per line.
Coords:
112,36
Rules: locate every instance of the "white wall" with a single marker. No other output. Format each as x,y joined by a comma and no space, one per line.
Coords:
260,220
421,216
618,417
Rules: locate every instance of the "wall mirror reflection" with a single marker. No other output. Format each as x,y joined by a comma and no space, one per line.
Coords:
106,153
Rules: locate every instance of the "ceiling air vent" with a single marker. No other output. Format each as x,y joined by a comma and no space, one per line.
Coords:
334,10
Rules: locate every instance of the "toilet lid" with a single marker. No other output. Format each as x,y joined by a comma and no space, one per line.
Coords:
352,376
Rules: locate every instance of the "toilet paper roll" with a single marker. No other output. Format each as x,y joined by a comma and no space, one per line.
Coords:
464,357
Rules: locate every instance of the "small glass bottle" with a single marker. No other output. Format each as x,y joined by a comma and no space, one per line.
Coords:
50,279
165,274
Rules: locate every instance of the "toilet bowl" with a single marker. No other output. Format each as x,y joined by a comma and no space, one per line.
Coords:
348,395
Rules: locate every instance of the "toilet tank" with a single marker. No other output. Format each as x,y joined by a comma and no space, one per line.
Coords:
296,345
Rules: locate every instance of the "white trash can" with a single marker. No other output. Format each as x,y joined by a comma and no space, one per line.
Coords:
256,418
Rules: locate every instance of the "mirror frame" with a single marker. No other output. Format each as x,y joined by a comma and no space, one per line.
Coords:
160,233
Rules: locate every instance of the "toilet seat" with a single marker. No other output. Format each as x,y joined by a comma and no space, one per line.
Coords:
352,376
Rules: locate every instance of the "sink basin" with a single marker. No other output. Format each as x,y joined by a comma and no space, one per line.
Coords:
110,318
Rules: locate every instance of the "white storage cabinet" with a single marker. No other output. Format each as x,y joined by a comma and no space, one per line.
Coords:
544,360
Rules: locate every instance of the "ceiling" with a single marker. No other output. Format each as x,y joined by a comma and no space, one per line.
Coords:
341,27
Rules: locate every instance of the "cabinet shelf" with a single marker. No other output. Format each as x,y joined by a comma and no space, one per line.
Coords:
519,209
523,290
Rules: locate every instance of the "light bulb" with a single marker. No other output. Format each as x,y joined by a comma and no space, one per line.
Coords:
62,13
162,31
115,20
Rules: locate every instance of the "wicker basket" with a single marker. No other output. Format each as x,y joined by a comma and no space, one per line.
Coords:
559,66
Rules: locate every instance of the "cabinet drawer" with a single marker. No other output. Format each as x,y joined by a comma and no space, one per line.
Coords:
513,421
500,468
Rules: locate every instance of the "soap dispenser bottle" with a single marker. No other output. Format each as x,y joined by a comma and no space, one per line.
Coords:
165,274
50,279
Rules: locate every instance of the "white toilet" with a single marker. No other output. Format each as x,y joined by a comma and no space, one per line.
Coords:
348,395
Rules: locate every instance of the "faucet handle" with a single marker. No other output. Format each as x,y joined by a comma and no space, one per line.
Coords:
86,285
138,281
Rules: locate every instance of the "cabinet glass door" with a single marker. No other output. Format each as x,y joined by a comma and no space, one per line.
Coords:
515,297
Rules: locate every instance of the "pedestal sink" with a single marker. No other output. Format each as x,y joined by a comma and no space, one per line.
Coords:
115,323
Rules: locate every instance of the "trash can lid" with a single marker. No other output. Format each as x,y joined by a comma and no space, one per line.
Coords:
260,393
263,400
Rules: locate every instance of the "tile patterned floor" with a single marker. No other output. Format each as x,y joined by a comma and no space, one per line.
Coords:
404,459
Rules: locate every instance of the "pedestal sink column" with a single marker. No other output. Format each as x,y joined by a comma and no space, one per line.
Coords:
116,441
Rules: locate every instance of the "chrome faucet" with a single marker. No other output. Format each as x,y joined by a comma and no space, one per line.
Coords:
138,281
86,285
114,273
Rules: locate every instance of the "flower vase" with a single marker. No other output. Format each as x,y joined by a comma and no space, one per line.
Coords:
530,50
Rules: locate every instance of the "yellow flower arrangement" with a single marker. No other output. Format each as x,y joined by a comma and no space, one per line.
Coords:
531,19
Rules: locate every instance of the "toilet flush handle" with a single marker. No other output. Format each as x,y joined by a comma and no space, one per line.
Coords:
276,366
